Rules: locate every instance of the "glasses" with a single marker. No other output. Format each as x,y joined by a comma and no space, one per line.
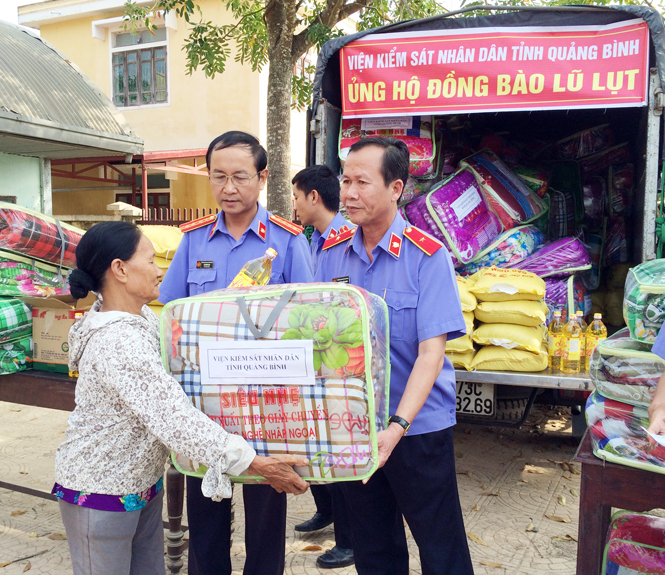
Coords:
239,180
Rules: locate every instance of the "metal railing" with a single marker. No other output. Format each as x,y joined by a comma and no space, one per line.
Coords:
172,217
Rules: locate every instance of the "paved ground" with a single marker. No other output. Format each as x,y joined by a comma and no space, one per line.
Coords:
508,480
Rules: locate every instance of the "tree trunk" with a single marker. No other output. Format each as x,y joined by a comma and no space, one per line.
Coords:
280,21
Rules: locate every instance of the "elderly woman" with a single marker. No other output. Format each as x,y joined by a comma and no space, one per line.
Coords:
129,414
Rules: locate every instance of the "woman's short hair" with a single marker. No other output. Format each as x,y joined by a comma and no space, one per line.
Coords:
98,247
237,138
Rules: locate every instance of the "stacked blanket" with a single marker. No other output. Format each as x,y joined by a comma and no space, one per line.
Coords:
618,436
635,545
37,236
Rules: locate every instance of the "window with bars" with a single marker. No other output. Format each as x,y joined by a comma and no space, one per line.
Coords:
139,77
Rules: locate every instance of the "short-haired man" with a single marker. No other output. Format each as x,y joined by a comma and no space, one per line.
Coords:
316,200
416,278
213,250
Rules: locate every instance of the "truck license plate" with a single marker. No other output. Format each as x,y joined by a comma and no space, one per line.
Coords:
475,398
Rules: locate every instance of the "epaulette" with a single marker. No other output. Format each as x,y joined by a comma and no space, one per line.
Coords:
424,241
338,239
196,224
295,229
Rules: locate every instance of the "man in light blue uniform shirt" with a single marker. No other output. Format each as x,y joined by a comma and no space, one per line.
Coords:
316,200
209,257
213,250
415,277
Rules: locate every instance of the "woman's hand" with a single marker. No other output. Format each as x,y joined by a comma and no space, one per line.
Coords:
657,411
279,473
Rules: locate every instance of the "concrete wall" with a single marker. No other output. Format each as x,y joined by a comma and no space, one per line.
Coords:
22,177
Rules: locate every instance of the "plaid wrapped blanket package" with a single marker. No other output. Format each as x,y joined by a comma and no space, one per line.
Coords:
625,370
644,300
301,369
38,236
15,320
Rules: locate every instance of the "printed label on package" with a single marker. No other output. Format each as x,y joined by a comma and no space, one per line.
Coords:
257,362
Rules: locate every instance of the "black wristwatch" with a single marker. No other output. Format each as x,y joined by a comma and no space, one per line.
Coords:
400,421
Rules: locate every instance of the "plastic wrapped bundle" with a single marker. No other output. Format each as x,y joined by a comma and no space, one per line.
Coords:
585,143
508,250
300,369
418,215
635,545
625,370
457,208
556,294
15,355
594,192
507,194
567,295
616,242
562,214
644,300
38,236
561,258
21,276
617,434
414,131
598,163
620,186
412,190
15,319
536,178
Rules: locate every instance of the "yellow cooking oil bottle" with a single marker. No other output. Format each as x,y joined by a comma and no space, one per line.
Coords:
572,346
583,324
255,272
555,341
77,316
595,333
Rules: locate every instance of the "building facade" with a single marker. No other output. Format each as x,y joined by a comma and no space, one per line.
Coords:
175,114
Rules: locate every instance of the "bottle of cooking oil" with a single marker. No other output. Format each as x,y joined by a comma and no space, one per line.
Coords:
571,358
77,316
595,333
555,341
584,326
255,272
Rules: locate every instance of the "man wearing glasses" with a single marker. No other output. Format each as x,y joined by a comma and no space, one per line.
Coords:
211,253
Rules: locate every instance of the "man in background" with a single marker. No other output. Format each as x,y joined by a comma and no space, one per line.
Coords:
316,201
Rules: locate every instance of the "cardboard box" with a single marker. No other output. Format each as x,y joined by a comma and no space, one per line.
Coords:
52,318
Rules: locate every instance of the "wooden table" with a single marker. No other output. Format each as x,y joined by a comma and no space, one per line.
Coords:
57,391
606,485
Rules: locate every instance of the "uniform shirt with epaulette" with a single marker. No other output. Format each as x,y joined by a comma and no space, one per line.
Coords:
417,280
209,257
337,226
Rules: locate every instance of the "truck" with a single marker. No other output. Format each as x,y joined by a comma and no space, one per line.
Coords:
493,397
